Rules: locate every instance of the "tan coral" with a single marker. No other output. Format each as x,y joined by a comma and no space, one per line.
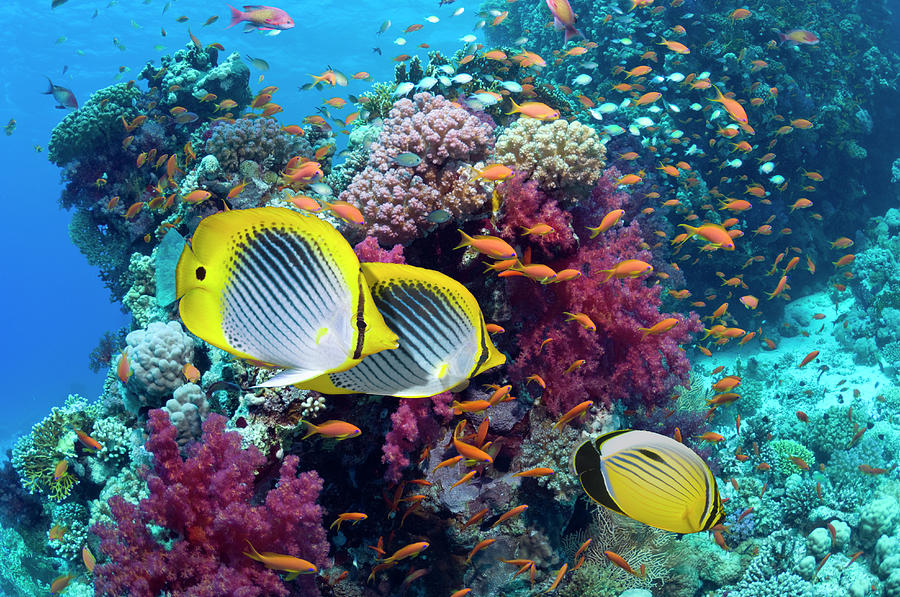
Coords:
557,154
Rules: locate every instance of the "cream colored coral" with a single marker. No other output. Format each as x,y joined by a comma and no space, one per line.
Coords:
556,154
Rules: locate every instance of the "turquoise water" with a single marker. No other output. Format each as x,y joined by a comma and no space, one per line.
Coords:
477,243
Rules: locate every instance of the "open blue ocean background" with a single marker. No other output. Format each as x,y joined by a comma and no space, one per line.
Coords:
56,308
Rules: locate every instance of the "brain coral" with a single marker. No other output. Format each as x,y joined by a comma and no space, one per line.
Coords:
157,354
556,154
397,200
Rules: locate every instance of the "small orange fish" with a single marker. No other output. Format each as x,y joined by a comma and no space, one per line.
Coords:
511,513
582,320
346,211
353,517
573,413
123,369
535,472
286,563
338,430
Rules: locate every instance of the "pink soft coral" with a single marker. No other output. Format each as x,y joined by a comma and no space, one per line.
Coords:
203,506
416,422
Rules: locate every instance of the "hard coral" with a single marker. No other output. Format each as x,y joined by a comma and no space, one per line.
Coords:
157,355
94,128
260,140
36,455
203,505
557,154
397,200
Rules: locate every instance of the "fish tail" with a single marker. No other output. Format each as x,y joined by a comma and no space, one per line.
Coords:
572,32
312,429
236,16
609,273
515,107
466,239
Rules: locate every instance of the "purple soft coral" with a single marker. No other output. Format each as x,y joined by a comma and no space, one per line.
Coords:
203,506
415,425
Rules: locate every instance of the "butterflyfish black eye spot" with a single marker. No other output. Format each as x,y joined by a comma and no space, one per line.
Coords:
200,273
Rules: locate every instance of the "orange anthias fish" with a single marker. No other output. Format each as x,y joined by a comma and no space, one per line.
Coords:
659,328
630,268
353,517
582,320
535,110
87,441
493,247
574,412
123,369
733,107
346,211
294,566
511,513
608,221
339,430
409,551
564,18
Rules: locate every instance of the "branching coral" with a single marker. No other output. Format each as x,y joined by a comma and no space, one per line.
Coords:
203,504
36,455
397,200
556,155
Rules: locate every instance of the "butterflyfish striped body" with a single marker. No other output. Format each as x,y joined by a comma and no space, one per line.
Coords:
276,286
442,335
650,478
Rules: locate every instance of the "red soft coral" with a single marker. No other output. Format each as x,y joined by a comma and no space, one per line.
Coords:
620,364
203,506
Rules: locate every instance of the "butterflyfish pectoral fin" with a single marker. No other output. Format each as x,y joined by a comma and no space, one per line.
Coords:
288,377
262,283
443,340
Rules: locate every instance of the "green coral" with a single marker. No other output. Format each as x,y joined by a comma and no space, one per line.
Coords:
95,126
379,99
780,452
36,455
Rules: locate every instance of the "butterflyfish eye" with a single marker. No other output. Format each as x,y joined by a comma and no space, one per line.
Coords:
201,273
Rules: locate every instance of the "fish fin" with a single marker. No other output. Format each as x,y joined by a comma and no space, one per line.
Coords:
292,575
572,32
557,24
515,107
236,16
312,429
250,27
289,377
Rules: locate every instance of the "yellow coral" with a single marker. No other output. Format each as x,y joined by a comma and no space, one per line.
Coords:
555,154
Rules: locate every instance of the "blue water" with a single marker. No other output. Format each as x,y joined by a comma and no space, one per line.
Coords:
55,307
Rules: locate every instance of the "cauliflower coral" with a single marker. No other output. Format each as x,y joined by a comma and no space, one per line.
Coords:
555,154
